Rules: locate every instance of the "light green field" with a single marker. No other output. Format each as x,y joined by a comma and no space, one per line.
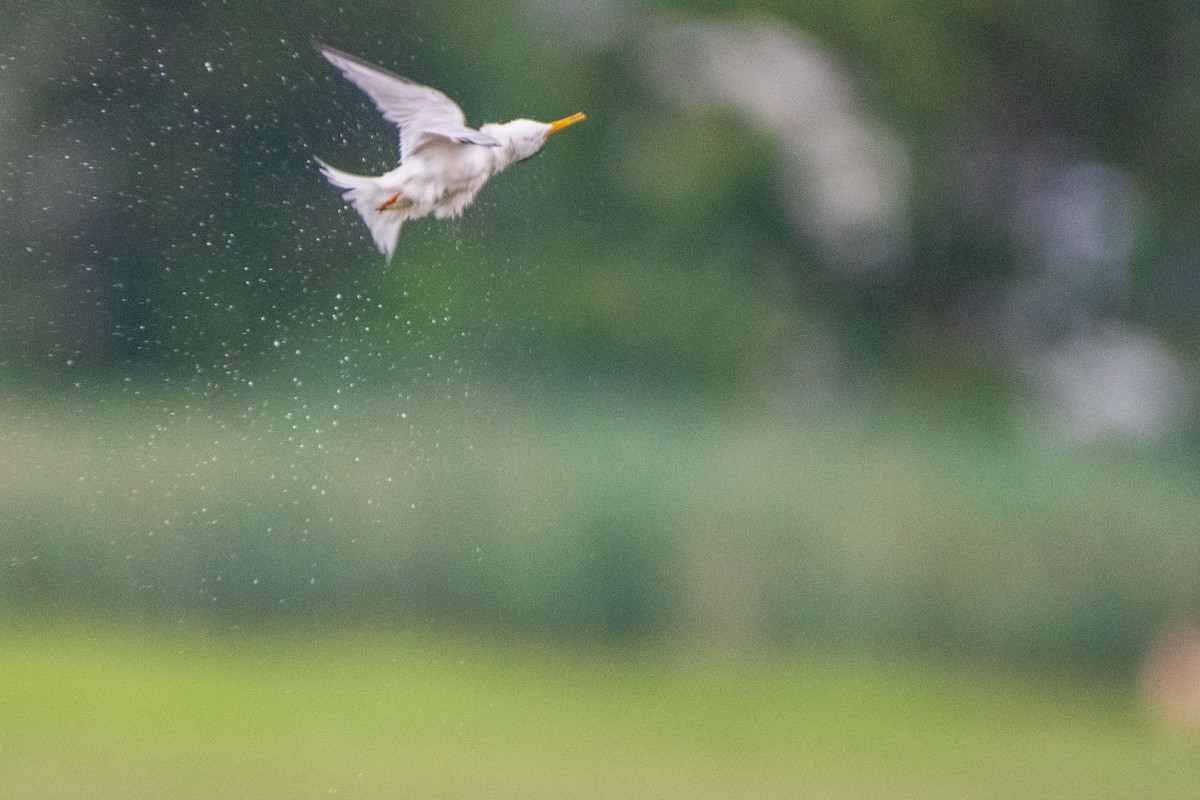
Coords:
99,712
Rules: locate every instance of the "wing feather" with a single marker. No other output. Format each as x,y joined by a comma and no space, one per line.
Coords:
420,111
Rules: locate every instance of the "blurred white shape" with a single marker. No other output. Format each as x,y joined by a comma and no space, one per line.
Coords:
590,24
1073,222
846,177
1112,382
1083,220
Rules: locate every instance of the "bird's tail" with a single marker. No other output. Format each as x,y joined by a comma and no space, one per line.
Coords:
366,195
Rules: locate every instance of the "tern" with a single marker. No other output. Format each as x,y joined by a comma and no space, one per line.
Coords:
443,163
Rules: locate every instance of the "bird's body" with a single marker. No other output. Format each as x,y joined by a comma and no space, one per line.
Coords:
443,163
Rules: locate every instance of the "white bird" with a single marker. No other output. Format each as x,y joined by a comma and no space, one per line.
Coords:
443,163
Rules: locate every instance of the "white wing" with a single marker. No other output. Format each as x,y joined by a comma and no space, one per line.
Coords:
421,112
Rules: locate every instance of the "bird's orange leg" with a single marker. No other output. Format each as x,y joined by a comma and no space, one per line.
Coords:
391,201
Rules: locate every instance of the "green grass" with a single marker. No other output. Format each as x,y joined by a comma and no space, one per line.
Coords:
123,712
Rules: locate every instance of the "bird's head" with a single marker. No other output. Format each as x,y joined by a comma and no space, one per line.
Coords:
524,137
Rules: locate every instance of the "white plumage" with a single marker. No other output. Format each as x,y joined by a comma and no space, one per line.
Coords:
443,163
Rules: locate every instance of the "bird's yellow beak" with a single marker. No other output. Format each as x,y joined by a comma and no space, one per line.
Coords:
559,124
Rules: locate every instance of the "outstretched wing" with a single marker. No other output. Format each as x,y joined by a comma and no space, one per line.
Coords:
420,111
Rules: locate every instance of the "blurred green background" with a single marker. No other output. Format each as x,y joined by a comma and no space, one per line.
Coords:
817,419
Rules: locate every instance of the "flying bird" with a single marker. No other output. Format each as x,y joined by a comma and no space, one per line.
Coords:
443,163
